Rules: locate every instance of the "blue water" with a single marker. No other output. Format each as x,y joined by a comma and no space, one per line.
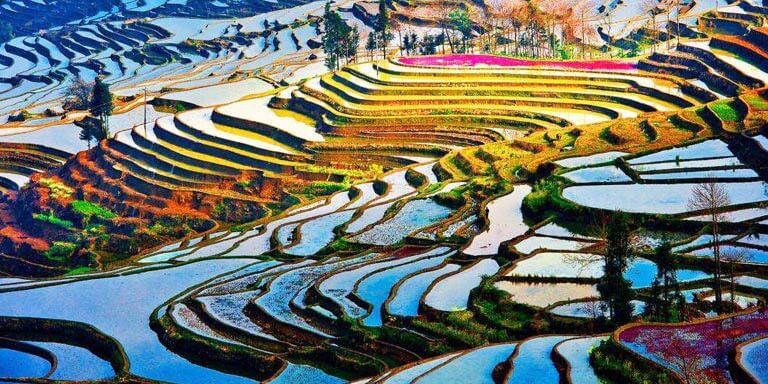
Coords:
751,255
606,174
15,364
474,367
406,300
299,374
576,352
705,149
533,364
121,307
656,198
406,376
75,363
376,288
753,359
414,215
642,272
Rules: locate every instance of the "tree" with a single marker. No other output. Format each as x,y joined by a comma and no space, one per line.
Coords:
339,41
651,7
78,95
733,259
461,22
616,291
711,198
382,26
331,38
370,45
102,107
92,130
428,45
86,134
353,43
583,11
440,41
407,46
666,298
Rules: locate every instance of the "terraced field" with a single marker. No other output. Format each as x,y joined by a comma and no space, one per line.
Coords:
404,220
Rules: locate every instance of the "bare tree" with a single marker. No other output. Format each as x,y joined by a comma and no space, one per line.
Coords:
78,94
583,12
712,197
651,7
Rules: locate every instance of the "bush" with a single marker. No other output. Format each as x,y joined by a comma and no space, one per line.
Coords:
536,201
60,251
380,187
415,179
452,199
463,330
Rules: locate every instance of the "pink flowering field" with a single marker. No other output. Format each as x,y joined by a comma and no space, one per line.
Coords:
499,61
700,349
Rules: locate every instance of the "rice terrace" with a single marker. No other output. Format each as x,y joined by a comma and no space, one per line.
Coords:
384,191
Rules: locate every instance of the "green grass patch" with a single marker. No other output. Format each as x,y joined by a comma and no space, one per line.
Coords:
498,309
322,188
51,218
613,364
725,111
462,329
80,271
87,208
756,102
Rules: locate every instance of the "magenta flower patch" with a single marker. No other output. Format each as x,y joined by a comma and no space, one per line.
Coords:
698,352
499,61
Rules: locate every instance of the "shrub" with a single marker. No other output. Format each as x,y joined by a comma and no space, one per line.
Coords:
539,199
380,187
453,199
463,329
415,178
79,271
60,251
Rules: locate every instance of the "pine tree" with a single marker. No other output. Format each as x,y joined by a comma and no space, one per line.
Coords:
330,38
86,134
615,291
666,298
382,26
370,45
102,107
339,41
354,43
